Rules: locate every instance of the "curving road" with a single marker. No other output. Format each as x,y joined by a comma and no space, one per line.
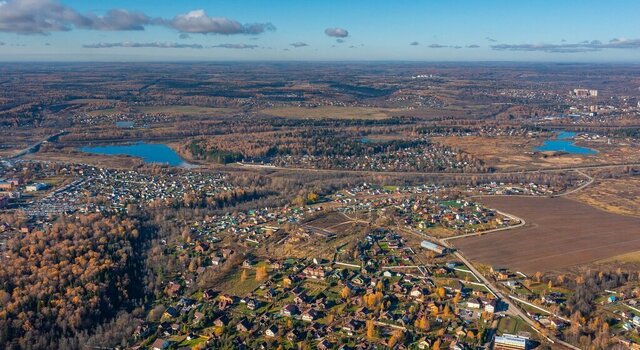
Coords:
417,173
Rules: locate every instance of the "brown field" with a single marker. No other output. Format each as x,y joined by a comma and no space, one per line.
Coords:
514,153
114,161
559,233
329,221
618,196
330,112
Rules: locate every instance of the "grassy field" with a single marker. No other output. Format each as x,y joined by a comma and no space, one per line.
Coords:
183,110
618,196
330,112
508,153
115,161
633,257
560,233
512,325
106,111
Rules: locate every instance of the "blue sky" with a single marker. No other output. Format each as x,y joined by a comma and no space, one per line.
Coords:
492,30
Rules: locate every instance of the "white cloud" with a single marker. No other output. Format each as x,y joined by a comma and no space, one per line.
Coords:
197,21
337,32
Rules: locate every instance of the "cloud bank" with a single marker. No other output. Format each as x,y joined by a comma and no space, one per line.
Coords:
584,46
150,45
47,16
235,46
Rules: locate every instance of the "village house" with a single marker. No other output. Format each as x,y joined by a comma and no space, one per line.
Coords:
310,315
171,312
221,321
290,310
243,326
271,332
161,344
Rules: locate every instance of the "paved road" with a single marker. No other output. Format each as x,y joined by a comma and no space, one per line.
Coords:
512,309
417,173
34,147
590,180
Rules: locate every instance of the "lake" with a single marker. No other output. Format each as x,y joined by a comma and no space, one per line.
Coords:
564,143
149,152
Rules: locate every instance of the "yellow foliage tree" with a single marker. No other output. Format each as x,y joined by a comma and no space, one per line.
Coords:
312,197
456,298
423,323
261,273
371,329
345,293
243,275
396,337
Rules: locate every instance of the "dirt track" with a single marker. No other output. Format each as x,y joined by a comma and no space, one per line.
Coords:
559,233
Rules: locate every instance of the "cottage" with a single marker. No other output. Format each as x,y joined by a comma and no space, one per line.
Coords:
173,289
198,317
221,321
490,306
325,345
310,315
271,332
416,292
474,303
209,294
171,312
243,326
201,247
351,326
290,310
253,304
315,272
161,344
294,335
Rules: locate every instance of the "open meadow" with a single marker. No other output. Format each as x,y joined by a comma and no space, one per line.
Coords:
516,152
619,196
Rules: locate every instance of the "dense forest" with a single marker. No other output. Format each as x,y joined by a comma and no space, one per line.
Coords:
59,283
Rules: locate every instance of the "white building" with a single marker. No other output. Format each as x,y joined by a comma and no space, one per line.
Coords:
510,341
36,187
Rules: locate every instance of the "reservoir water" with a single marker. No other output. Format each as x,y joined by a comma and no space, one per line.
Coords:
149,152
564,143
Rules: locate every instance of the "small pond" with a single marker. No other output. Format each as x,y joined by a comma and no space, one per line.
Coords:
563,142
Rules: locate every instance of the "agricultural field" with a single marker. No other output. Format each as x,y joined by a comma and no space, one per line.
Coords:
560,233
330,221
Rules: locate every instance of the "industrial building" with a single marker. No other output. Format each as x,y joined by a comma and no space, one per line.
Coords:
510,342
433,247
